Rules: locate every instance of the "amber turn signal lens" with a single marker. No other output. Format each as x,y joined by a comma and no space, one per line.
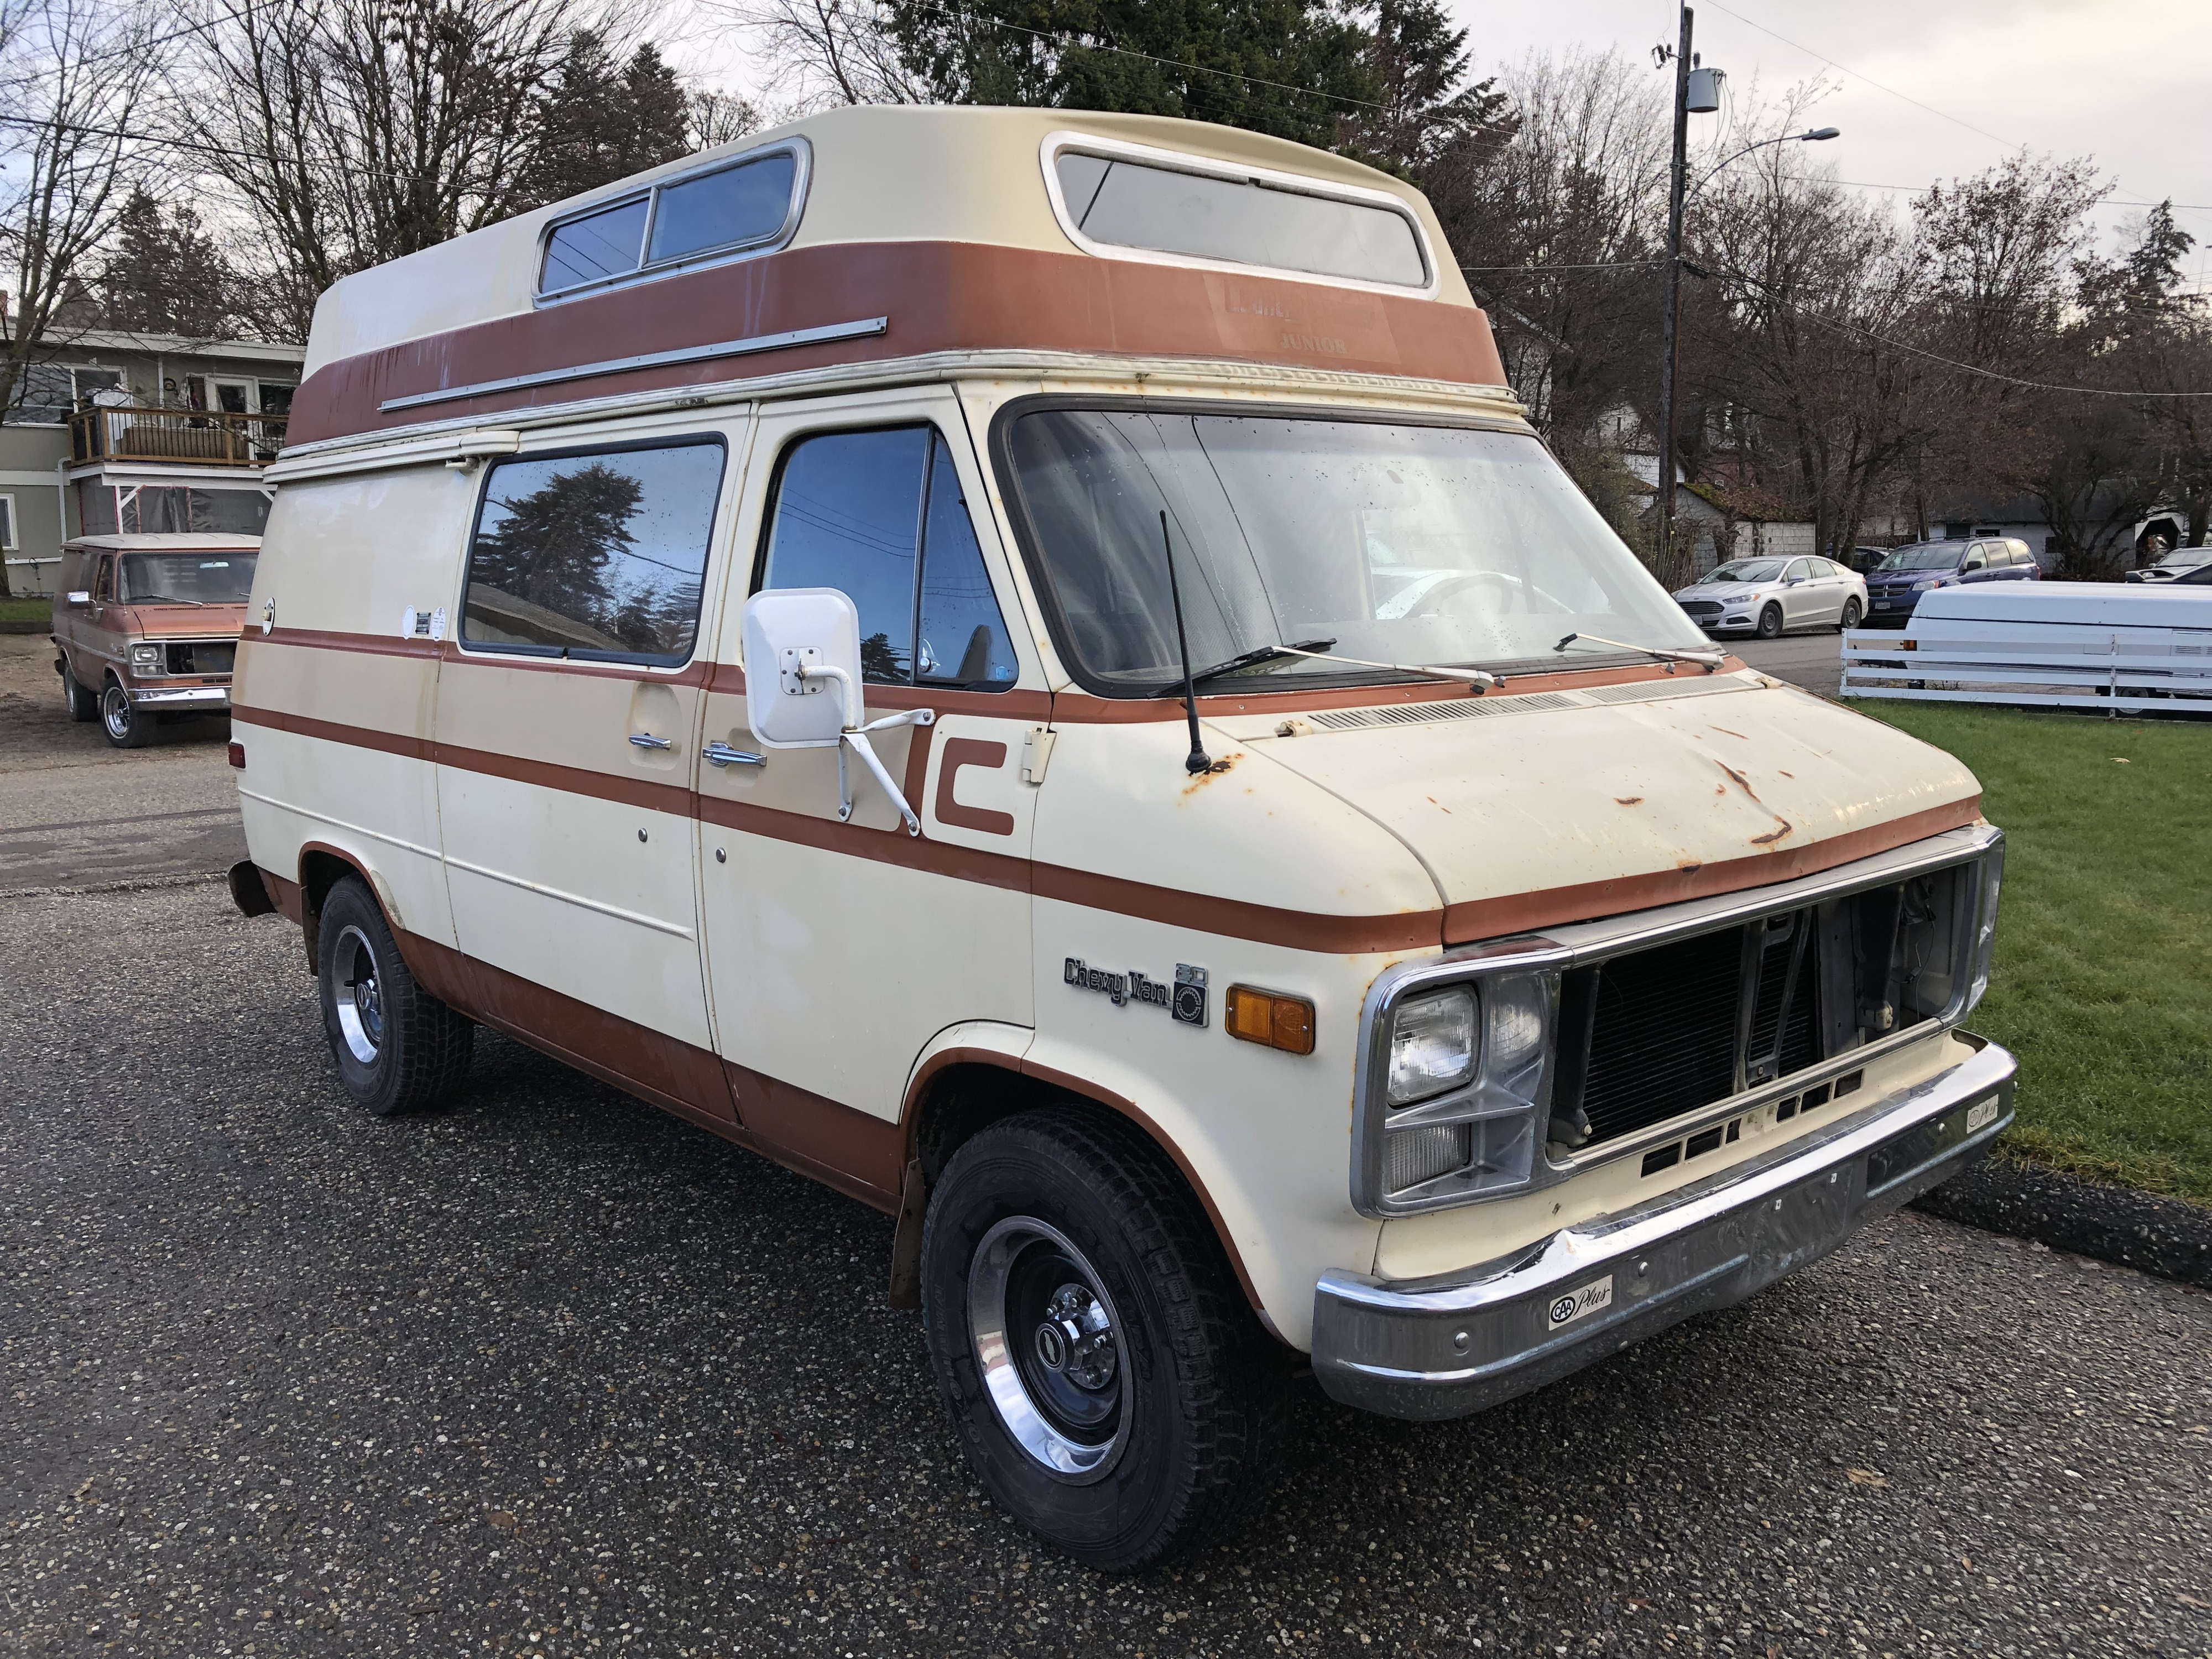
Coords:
238,756
1279,1021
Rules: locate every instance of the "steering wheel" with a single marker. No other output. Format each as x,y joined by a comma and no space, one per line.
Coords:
1432,602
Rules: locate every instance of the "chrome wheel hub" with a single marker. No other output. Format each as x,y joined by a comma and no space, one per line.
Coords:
1048,1341
115,709
359,1000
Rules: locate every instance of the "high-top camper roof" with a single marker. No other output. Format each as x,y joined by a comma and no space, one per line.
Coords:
883,232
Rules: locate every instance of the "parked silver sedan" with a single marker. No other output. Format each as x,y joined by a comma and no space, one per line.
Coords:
1769,596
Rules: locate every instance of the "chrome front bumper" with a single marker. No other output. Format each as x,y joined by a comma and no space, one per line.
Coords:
206,699
1441,1350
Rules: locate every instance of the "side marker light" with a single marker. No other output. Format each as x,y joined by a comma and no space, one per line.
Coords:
1270,1019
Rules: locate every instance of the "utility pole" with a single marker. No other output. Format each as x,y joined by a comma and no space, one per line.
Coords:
1669,345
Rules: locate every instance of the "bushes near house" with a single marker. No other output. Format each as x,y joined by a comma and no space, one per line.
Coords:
2103,979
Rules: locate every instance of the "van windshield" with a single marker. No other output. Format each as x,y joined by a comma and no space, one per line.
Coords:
1927,555
186,578
1400,544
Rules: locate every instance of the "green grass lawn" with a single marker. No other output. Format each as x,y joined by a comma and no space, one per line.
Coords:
2103,982
17,609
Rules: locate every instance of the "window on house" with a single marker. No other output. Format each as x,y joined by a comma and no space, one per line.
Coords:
166,510
595,556
880,516
1238,220
96,510
7,522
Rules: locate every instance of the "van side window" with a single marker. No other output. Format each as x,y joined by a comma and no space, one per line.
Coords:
594,557
103,582
880,517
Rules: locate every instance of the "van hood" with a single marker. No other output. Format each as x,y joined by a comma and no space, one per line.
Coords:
176,621
1562,805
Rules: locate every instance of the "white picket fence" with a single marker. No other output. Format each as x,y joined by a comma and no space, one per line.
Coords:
2115,648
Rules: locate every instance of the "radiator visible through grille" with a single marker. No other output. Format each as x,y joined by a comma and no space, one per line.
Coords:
201,656
1650,1035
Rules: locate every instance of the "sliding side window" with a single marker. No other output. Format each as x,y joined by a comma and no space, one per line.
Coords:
598,555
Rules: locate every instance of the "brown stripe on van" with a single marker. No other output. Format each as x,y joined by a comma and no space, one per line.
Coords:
939,296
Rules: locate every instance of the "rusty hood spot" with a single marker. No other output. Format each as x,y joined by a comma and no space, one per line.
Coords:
1782,827
1628,801
1198,781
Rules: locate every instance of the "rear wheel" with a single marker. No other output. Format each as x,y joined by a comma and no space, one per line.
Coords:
1851,614
126,724
1770,623
1107,1381
83,708
397,1047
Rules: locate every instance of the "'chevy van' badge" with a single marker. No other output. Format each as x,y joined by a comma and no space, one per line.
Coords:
1185,1000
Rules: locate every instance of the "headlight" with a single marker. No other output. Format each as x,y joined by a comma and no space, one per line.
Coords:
1461,1093
1431,1045
146,656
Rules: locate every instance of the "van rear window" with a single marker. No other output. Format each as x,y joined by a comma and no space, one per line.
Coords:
1242,221
598,555
743,206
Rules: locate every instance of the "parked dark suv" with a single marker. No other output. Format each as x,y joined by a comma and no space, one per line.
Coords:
1895,585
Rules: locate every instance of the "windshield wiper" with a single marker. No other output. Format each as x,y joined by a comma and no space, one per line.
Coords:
1259,654
1711,661
162,598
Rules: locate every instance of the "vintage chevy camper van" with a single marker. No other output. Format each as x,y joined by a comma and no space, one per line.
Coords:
1027,665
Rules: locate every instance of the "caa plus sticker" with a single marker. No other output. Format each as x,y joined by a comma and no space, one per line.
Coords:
1573,1305
1981,1115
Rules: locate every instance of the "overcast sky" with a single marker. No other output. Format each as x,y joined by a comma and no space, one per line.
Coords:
2128,82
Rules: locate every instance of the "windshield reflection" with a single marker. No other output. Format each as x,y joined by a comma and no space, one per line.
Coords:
1433,546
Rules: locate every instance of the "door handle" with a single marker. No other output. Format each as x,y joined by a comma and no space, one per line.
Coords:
647,740
720,754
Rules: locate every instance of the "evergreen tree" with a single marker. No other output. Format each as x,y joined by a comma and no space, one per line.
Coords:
601,119
1292,68
1430,120
166,275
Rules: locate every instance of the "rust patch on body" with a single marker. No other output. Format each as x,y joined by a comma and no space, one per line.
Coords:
1724,731
1628,801
1784,828
1199,780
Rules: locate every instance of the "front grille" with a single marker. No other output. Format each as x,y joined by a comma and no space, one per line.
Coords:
1701,607
1650,1035
201,656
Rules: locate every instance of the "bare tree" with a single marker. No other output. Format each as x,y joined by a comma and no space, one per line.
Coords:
720,118
823,53
78,74
358,130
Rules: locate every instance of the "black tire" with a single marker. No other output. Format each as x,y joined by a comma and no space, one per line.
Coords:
122,723
1195,1396
1770,623
1852,615
83,708
397,1047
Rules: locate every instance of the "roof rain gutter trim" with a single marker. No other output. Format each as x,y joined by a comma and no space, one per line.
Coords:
798,337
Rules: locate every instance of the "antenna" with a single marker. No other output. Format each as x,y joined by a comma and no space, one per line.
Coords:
1198,760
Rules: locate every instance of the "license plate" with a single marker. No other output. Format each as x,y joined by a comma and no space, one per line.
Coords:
1574,1304
1882,604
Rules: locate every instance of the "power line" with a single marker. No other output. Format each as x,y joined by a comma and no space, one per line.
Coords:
1869,79
1899,345
2109,201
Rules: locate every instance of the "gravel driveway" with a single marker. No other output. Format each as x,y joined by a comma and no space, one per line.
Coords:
552,1373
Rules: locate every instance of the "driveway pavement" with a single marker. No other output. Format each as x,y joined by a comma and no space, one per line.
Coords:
77,812
548,1373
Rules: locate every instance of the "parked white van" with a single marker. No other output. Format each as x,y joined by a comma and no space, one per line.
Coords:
1026,664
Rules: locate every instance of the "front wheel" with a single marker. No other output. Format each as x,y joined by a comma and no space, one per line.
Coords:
1851,615
1109,1383
126,724
1770,623
397,1047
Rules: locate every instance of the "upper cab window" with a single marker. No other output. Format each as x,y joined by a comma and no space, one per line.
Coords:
881,516
1237,219
598,557
744,206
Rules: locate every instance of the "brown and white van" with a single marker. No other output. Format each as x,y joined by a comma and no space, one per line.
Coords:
147,626
1028,665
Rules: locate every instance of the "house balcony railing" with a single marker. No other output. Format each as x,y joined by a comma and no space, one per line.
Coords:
128,432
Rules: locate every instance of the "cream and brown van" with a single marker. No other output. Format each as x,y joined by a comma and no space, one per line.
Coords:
146,626
1027,665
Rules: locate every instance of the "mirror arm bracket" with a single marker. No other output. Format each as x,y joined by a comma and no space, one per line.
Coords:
855,737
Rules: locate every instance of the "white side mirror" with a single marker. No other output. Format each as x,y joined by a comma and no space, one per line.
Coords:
802,667
80,597
803,684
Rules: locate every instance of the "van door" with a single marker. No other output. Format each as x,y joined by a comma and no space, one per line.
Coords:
836,951
566,720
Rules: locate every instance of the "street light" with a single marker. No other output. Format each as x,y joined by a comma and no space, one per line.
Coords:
1817,136
1697,88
